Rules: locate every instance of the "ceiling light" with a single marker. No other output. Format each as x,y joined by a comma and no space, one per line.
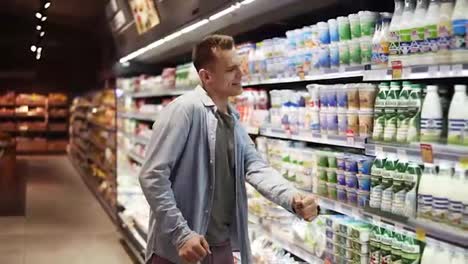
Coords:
38,15
39,50
33,48
225,12
47,5
38,27
44,18
38,56
194,26
42,34
126,64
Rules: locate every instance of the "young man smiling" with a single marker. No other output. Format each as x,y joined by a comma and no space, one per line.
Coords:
197,162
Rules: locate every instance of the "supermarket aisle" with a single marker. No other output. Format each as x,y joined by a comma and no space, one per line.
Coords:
64,223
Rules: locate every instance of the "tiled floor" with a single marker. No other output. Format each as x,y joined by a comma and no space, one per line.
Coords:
64,223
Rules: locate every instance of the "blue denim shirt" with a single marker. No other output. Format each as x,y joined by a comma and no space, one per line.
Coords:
179,167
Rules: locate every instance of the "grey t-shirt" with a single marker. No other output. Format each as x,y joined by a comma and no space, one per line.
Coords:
224,186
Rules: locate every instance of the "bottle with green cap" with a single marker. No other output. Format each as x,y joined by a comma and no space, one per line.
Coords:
391,115
386,246
414,113
397,245
379,116
411,250
403,116
412,176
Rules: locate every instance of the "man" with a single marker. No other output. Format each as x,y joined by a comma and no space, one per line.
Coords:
197,162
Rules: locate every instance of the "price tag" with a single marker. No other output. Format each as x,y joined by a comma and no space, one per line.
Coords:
433,71
444,70
397,69
346,209
457,69
426,153
324,137
402,154
420,234
378,150
399,226
350,140
377,220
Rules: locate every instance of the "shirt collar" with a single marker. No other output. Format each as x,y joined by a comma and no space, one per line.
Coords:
207,101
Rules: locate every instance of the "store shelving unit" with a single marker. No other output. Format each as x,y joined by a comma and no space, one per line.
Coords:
39,122
419,72
138,116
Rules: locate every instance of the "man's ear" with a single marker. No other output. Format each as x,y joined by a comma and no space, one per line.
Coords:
204,75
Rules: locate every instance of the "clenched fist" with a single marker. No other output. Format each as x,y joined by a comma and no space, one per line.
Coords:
195,249
305,206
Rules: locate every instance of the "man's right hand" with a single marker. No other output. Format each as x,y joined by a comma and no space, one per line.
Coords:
195,249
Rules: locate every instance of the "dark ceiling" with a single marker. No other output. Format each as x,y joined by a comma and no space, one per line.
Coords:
77,45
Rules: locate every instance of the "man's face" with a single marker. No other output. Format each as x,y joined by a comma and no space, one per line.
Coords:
225,73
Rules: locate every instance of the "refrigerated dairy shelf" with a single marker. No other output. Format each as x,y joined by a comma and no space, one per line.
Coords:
436,231
138,116
308,136
135,242
328,74
413,152
290,247
158,93
419,72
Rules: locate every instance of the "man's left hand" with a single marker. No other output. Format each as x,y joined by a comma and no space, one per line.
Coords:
305,206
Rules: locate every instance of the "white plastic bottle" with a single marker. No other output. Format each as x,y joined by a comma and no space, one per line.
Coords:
394,30
376,45
458,256
458,117
464,186
431,34
456,196
460,28
431,116
405,30
426,189
440,199
385,40
417,32
444,28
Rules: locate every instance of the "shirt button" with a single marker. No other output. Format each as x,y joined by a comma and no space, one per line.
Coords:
211,161
206,211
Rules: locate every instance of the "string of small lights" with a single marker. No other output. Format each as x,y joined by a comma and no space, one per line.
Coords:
41,16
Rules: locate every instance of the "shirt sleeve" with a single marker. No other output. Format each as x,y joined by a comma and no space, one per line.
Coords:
170,133
264,178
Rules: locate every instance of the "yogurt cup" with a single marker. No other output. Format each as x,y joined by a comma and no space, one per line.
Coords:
331,175
334,32
353,123
334,55
341,97
332,122
364,182
341,193
315,120
323,121
332,191
322,159
352,93
323,32
366,123
365,165
331,98
351,164
342,122
367,94
368,20
322,174
322,189
323,95
344,28
341,178
355,26
332,162
352,196
343,49
340,161
351,180
355,52
366,50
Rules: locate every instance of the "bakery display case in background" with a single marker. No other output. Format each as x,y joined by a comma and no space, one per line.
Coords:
38,121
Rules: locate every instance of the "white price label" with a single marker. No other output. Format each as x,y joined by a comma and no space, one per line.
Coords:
433,71
377,220
444,70
457,69
402,155
350,141
378,150
324,137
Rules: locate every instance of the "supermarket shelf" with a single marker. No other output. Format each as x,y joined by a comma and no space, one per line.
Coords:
297,251
328,74
307,136
157,93
419,72
139,116
31,104
441,152
436,231
29,115
58,105
101,125
251,129
136,157
93,186
132,238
